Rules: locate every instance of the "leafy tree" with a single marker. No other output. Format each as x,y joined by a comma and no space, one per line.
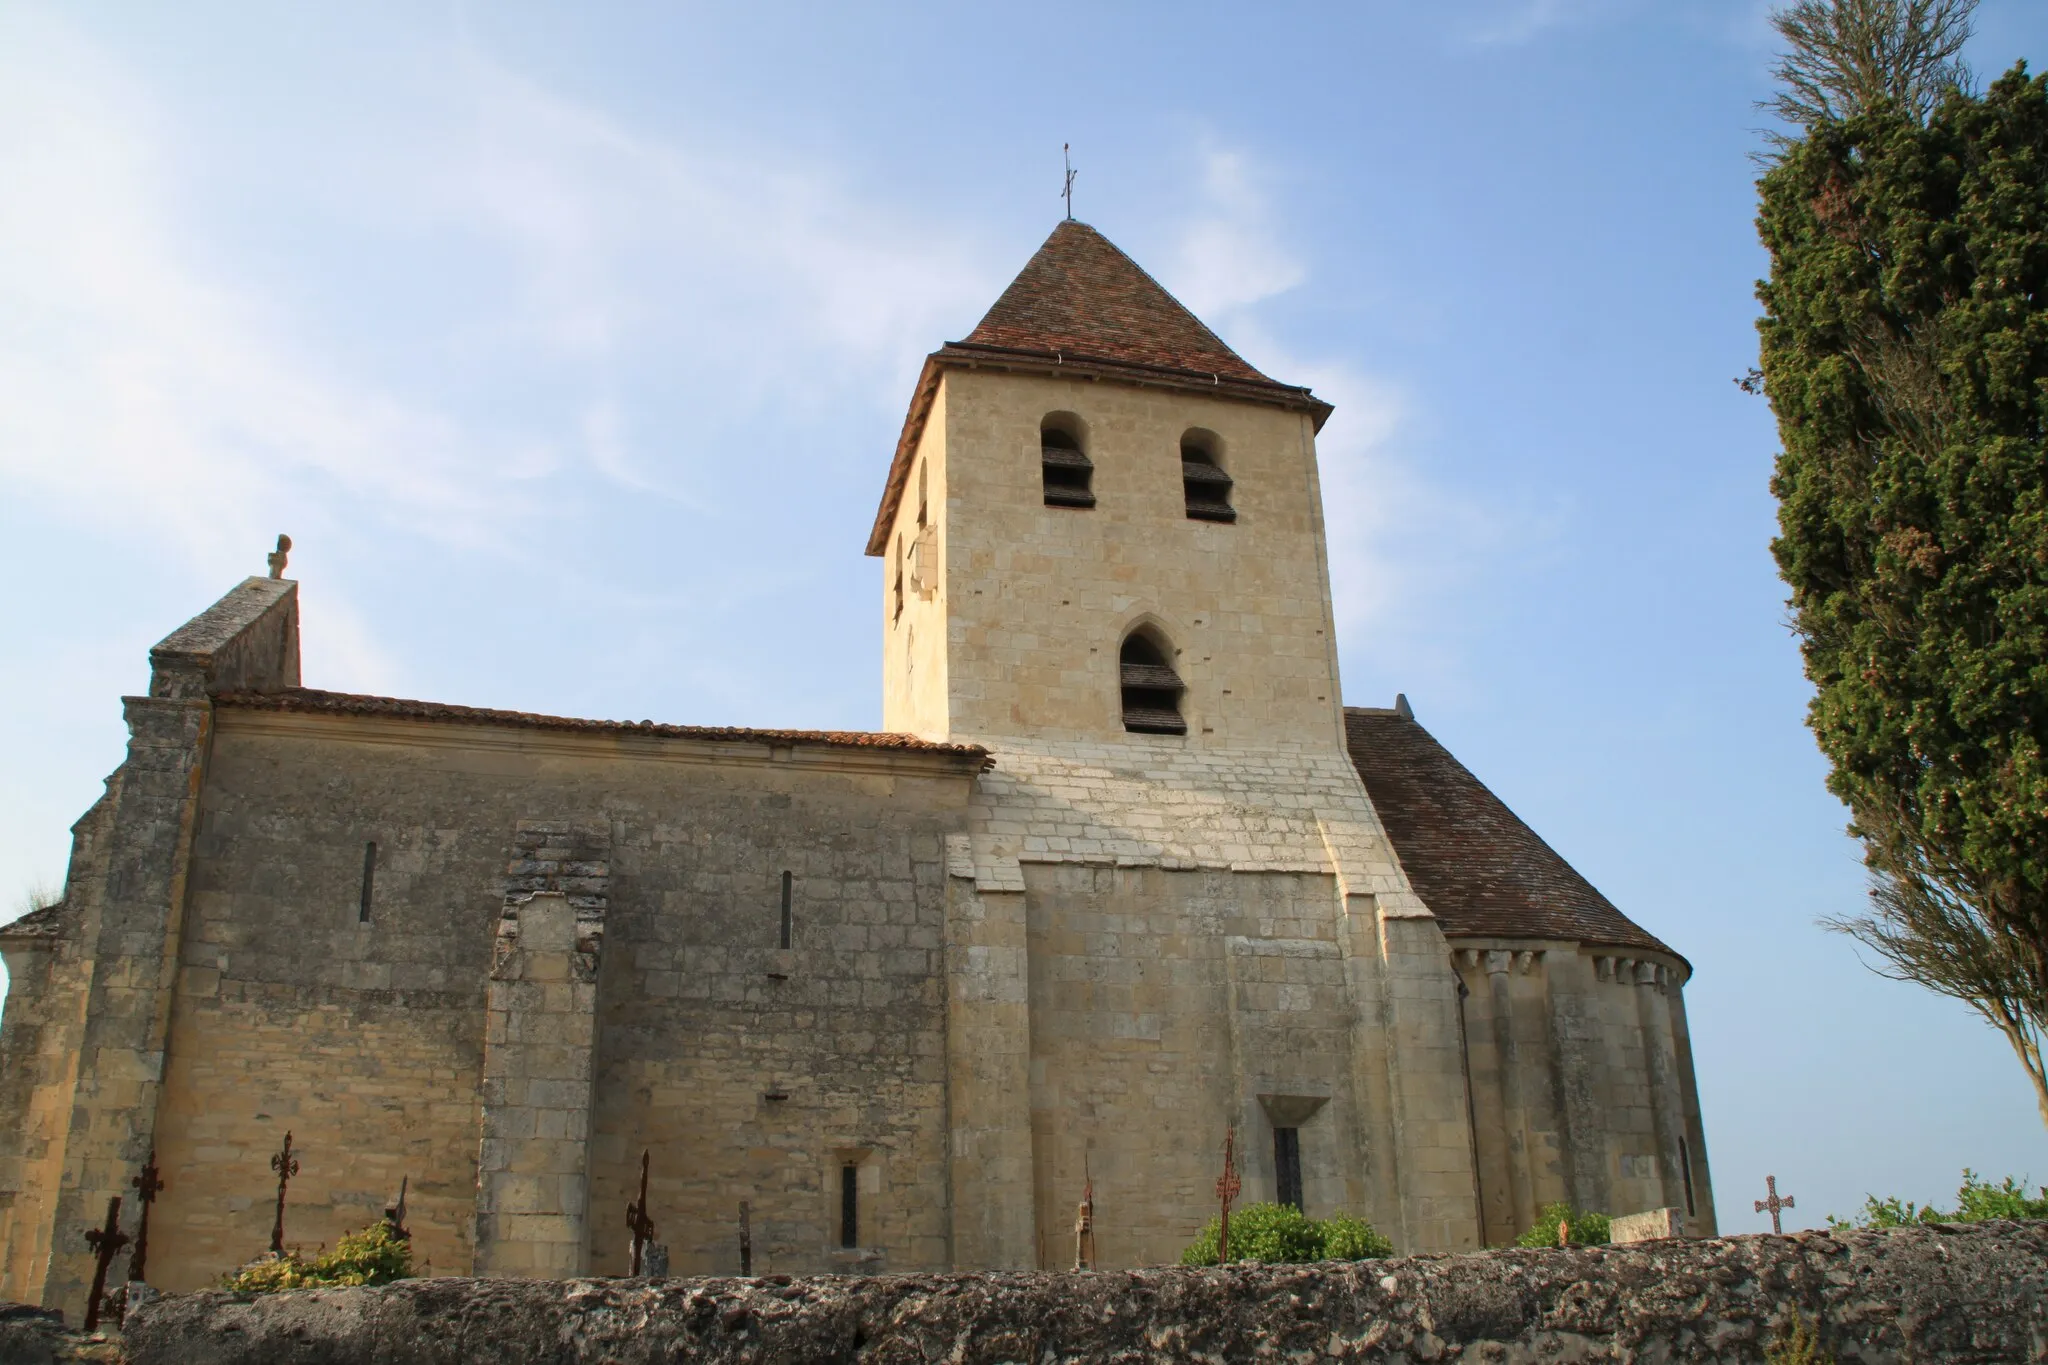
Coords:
1583,1228
1283,1234
1905,354
1846,57
1976,1201
1931,923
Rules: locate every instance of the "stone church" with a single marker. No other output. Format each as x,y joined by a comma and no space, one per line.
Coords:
1121,871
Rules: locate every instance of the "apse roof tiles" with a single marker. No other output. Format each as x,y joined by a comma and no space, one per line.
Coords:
1482,871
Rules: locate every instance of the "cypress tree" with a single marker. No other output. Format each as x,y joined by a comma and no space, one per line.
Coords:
1905,355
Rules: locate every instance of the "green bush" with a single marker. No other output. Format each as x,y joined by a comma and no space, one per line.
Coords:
372,1255
1585,1228
1353,1239
1976,1201
1283,1234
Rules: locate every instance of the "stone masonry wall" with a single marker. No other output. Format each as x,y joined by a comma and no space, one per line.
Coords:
1940,1295
367,1037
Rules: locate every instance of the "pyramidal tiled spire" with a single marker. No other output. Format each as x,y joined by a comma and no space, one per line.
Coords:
1082,297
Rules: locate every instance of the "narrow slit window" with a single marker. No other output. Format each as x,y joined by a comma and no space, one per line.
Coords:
899,576
1685,1175
369,883
1206,485
788,884
1287,1165
849,1205
1151,689
921,501
1068,472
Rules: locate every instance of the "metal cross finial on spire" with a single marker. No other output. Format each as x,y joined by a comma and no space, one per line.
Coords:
1066,151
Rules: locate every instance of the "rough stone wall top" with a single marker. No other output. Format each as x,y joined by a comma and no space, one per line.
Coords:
1935,1294
247,641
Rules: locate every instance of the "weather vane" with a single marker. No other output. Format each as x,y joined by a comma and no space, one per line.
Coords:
1066,155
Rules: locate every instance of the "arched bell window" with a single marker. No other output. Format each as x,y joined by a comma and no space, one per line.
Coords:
1202,478
1151,689
1067,469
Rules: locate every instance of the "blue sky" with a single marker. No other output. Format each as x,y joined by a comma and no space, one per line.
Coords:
570,344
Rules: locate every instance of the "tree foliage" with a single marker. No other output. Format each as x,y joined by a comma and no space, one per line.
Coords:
1905,355
1931,923
1976,1201
1847,57
1283,1234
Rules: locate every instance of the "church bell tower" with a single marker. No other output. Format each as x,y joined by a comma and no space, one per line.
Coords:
1101,523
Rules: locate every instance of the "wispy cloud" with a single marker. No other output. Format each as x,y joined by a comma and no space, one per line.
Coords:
1403,548
1521,21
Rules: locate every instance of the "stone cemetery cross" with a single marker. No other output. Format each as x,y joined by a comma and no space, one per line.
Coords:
105,1242
147,1188
1774,1203
286,1165
637,1221
1227,1187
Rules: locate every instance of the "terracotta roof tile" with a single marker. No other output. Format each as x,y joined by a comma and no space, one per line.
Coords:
308,701
1482,871
1083,297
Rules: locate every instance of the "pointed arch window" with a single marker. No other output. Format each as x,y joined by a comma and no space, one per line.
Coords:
1203,480
1151,688
1067,469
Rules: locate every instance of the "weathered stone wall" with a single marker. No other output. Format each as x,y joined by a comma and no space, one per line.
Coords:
1931,1295
1575,1117
367,1037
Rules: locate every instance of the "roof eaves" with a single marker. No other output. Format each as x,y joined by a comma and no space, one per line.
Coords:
311,701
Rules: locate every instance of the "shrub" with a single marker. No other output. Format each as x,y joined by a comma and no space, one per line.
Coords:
1585,1228
1976,1200
1353,1239
1283,1234
371,1255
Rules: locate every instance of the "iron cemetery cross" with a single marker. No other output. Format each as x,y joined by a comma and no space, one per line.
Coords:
1774,1203
286,1165
104,1242
637,1221
1227,1186
147,1188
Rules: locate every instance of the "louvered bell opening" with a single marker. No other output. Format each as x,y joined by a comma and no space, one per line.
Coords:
1067,473
1208,491
1152,713
1151,695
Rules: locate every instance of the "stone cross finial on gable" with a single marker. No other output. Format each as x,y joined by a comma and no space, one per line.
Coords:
277,557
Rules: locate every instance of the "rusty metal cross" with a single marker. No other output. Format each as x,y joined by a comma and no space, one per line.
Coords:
147,1187
637,1221
105,1242
286,1165
1774,1203
1227,1187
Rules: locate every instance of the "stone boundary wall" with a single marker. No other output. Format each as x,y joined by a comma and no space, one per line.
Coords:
1935,1294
